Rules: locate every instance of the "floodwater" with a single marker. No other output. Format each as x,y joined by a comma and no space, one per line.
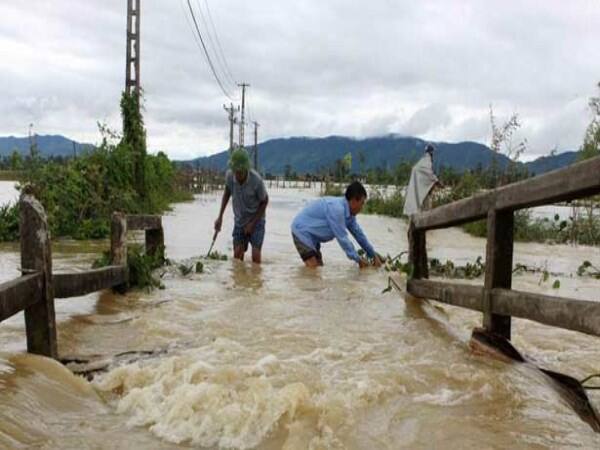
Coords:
282,357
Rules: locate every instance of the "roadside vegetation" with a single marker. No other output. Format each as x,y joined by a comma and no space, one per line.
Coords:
80,194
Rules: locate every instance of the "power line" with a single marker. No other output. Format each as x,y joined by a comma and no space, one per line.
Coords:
211,45
219,47
210,63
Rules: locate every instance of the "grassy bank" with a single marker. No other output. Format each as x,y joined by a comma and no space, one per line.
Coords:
11,175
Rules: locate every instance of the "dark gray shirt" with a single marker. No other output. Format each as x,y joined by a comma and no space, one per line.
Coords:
246,197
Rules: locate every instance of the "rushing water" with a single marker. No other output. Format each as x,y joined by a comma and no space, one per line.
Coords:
279,356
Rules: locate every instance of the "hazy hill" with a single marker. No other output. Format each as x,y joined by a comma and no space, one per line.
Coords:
51,145
306,154
312,155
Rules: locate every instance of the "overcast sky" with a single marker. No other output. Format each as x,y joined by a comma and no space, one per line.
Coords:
358,68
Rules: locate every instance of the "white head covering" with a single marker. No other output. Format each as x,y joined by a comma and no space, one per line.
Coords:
422,179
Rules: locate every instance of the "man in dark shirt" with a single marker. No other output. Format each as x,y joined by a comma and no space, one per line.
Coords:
250,201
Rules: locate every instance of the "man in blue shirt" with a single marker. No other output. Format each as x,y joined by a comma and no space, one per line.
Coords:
332,217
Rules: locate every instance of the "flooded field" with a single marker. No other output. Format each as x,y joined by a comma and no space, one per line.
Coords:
282,357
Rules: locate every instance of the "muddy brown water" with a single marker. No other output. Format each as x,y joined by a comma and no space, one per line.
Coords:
279,356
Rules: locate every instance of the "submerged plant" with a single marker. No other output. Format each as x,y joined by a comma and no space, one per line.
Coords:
587,269
217,256
140,265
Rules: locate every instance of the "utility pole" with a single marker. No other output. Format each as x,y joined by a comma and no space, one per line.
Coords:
242,124
132,77
33,148
232,120
256,125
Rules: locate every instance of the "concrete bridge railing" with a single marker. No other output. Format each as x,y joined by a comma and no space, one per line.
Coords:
34,292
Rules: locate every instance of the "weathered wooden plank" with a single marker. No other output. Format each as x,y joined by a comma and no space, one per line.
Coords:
118,246
417,252
118,239
82,283
498,268
567,313
571,314
143,222
570,183
20,293
155,242
36,256
578,180
455,213
463,295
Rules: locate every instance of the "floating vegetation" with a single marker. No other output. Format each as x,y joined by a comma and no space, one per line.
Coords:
587,269
184,270
450,270
217,256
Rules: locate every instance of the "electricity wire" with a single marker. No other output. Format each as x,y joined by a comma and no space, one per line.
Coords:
219,49
206,53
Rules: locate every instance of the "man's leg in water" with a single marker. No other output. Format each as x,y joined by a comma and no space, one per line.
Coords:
240,242
238,251
256,239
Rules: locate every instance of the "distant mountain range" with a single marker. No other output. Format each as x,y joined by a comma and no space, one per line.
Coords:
311,155
306,154
51,145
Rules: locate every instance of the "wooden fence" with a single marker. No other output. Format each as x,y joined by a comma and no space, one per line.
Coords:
496,300
35,290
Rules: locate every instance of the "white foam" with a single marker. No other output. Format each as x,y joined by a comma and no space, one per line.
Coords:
182,399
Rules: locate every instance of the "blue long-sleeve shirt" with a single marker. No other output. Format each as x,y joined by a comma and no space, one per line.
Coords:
327,218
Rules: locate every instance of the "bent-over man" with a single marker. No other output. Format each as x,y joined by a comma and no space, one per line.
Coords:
332,217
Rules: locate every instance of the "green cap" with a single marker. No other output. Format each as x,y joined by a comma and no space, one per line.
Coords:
239,160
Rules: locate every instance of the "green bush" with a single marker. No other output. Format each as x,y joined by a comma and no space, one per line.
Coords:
140,265
9,222
80,194
584,230
332,190
392,206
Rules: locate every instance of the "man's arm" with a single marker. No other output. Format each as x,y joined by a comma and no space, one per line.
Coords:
337,223
362,240
224,201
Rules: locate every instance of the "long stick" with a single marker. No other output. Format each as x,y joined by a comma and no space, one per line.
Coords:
213,243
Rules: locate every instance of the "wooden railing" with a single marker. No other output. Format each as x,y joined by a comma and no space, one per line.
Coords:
35,290
496,299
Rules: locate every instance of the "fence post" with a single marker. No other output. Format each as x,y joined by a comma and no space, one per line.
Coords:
155,241
417,252
498,267
36,256
118,244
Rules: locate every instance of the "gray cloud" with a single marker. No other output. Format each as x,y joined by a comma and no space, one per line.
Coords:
358,68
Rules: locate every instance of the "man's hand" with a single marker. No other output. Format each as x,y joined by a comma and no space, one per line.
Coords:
362,263
249,228
377,261
218,224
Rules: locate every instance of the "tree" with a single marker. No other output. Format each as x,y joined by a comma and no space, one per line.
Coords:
361,161
591,142
134,136
502,143
16,160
